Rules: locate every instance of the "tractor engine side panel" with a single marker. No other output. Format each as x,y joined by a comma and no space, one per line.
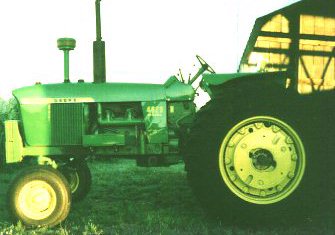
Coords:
125,128
36,124
155,117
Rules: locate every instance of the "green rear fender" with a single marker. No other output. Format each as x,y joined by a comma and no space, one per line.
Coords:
218,85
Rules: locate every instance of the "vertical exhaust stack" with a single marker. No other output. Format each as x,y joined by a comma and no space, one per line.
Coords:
99,61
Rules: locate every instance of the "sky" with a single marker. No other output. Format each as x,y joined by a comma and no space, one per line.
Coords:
146,41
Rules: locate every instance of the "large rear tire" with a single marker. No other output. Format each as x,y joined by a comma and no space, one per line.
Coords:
39,196
250,166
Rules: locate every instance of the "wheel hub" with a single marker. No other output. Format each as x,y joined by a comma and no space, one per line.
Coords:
37,200
262,160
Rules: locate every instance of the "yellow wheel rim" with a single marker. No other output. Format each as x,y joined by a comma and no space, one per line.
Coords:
262,160
37,200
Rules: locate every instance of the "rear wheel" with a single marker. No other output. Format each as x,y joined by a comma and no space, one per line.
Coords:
39,196
250,167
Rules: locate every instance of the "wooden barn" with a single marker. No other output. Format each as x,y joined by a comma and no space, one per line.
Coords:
299,39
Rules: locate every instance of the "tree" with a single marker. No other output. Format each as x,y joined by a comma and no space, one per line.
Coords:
8,111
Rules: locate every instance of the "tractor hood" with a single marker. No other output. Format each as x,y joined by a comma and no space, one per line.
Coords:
102,92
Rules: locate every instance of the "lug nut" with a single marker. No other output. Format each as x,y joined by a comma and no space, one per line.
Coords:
241,131
275,129
233,177
290,175
289,140
231,144
294,157
258,125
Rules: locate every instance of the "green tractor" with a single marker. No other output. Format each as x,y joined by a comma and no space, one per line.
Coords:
252,152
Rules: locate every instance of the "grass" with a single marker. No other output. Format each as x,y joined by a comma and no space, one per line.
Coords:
126,199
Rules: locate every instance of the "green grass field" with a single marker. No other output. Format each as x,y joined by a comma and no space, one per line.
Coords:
126,199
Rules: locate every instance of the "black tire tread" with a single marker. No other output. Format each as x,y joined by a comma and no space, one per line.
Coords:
85,178
212,123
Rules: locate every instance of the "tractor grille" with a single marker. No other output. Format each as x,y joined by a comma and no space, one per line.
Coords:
66,124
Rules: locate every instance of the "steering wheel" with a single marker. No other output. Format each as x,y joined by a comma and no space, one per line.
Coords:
205,65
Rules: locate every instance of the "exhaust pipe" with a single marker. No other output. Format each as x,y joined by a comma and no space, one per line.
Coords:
99,61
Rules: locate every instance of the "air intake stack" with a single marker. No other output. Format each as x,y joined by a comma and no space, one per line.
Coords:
99,62
66,45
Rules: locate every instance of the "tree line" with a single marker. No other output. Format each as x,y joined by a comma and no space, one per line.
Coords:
8,111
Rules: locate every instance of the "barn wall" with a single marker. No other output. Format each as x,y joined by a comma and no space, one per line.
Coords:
271,49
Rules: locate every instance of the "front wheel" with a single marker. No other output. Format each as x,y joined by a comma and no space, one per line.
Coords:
39,196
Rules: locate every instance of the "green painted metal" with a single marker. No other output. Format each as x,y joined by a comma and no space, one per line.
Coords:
66,44
99,61
88,93
36,123
104,140
98,20
99,70
212,83
54,151
66,124
41,108
121,122
262,160
178,91
155,118
103,92
218,79
14,145
110,121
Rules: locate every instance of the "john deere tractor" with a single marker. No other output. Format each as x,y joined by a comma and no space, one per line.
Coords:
258,149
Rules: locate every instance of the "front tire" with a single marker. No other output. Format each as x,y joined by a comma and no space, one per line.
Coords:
39,196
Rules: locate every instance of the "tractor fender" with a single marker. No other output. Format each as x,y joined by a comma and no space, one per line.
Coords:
239,85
